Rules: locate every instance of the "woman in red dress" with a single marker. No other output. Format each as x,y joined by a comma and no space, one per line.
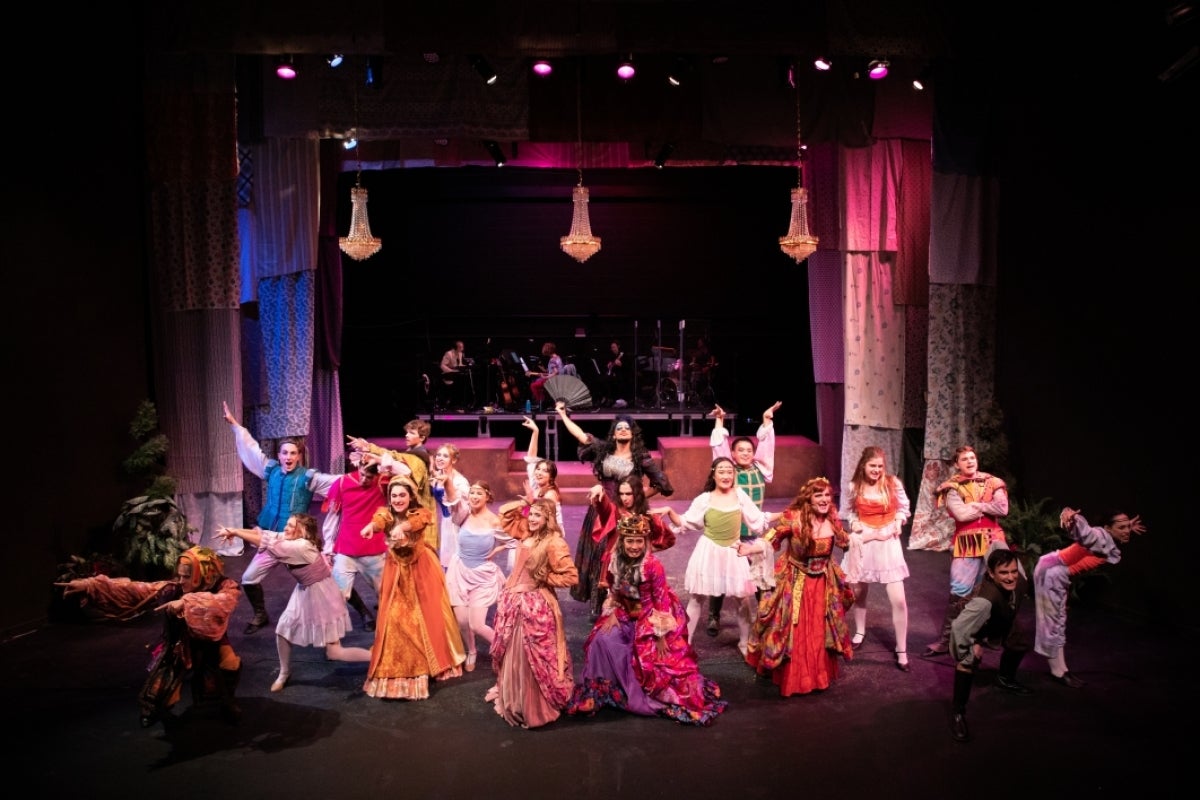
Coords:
801,625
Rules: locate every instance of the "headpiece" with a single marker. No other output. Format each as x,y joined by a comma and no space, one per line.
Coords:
207,569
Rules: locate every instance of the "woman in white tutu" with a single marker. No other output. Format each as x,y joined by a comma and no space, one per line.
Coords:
875,512
473,580
715,568
316,613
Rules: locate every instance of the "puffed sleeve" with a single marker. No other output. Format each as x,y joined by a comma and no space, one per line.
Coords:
563,572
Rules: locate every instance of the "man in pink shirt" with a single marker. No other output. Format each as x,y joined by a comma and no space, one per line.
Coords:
352,500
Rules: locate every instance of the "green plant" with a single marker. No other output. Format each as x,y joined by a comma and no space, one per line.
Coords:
1033,530
151,530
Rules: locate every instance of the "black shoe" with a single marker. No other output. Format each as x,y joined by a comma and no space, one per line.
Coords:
368,621
937,649
1068,680
901,665
1012,685
714,626
259,622
958,728
148,721
991,644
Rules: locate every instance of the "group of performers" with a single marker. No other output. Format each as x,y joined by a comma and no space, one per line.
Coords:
426,539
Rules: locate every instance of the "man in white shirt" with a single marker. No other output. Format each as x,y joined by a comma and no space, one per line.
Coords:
453,389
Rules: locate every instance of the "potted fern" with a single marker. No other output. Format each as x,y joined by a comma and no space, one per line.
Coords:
151,531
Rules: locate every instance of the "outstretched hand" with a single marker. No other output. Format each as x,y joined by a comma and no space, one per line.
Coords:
229,417
1136,525
769,414
1067,516
717,413
526,422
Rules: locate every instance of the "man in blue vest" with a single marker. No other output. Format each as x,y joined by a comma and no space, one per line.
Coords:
289,489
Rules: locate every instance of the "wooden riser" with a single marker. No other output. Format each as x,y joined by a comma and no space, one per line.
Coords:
686,459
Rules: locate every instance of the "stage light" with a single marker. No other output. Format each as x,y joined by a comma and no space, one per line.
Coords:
285,67
877,70
484,69
351,141
625,70
334,60
823,64
542,68
496,152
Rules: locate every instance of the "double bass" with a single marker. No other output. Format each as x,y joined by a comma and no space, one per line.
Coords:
510,386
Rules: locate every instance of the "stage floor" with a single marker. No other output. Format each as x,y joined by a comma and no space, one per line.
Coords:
70,691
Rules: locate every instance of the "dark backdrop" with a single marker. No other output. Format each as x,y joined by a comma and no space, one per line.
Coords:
474,254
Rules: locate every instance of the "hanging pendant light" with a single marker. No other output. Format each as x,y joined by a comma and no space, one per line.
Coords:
799,242
359,244
579,244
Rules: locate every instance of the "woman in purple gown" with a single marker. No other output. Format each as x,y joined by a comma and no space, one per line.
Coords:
637,657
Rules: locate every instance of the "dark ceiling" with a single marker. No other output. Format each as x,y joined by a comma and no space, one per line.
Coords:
736,53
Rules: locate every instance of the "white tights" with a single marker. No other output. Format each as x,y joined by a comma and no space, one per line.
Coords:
895,593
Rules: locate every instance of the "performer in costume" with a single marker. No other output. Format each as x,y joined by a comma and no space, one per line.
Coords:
1091,547
976,501
197,605
534,676
801,626
417,635
991,613
876,509
316,614
755,462
622,454
637,657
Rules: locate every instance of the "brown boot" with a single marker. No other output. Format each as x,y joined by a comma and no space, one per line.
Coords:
954,607
254,593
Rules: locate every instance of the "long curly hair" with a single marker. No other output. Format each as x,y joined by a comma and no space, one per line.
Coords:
539,559
800,512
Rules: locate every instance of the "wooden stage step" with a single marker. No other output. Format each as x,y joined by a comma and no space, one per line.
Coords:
686,460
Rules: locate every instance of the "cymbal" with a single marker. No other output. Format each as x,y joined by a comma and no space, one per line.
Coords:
657,349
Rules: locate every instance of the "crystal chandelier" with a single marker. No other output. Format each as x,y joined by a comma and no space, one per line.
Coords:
579,244
360,244
799,242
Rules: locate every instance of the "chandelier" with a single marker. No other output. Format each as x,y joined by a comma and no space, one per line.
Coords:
579,244
360,244
799,242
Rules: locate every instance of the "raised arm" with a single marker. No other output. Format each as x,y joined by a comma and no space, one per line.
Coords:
719,439
248,450
580,435
531,455
764,453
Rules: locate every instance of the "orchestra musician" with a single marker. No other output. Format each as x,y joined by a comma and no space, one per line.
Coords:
616,377
553,365
457,380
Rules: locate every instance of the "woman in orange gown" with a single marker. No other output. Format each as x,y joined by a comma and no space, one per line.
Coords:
417,636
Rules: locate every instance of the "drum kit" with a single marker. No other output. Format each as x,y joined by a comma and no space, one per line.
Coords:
672,385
